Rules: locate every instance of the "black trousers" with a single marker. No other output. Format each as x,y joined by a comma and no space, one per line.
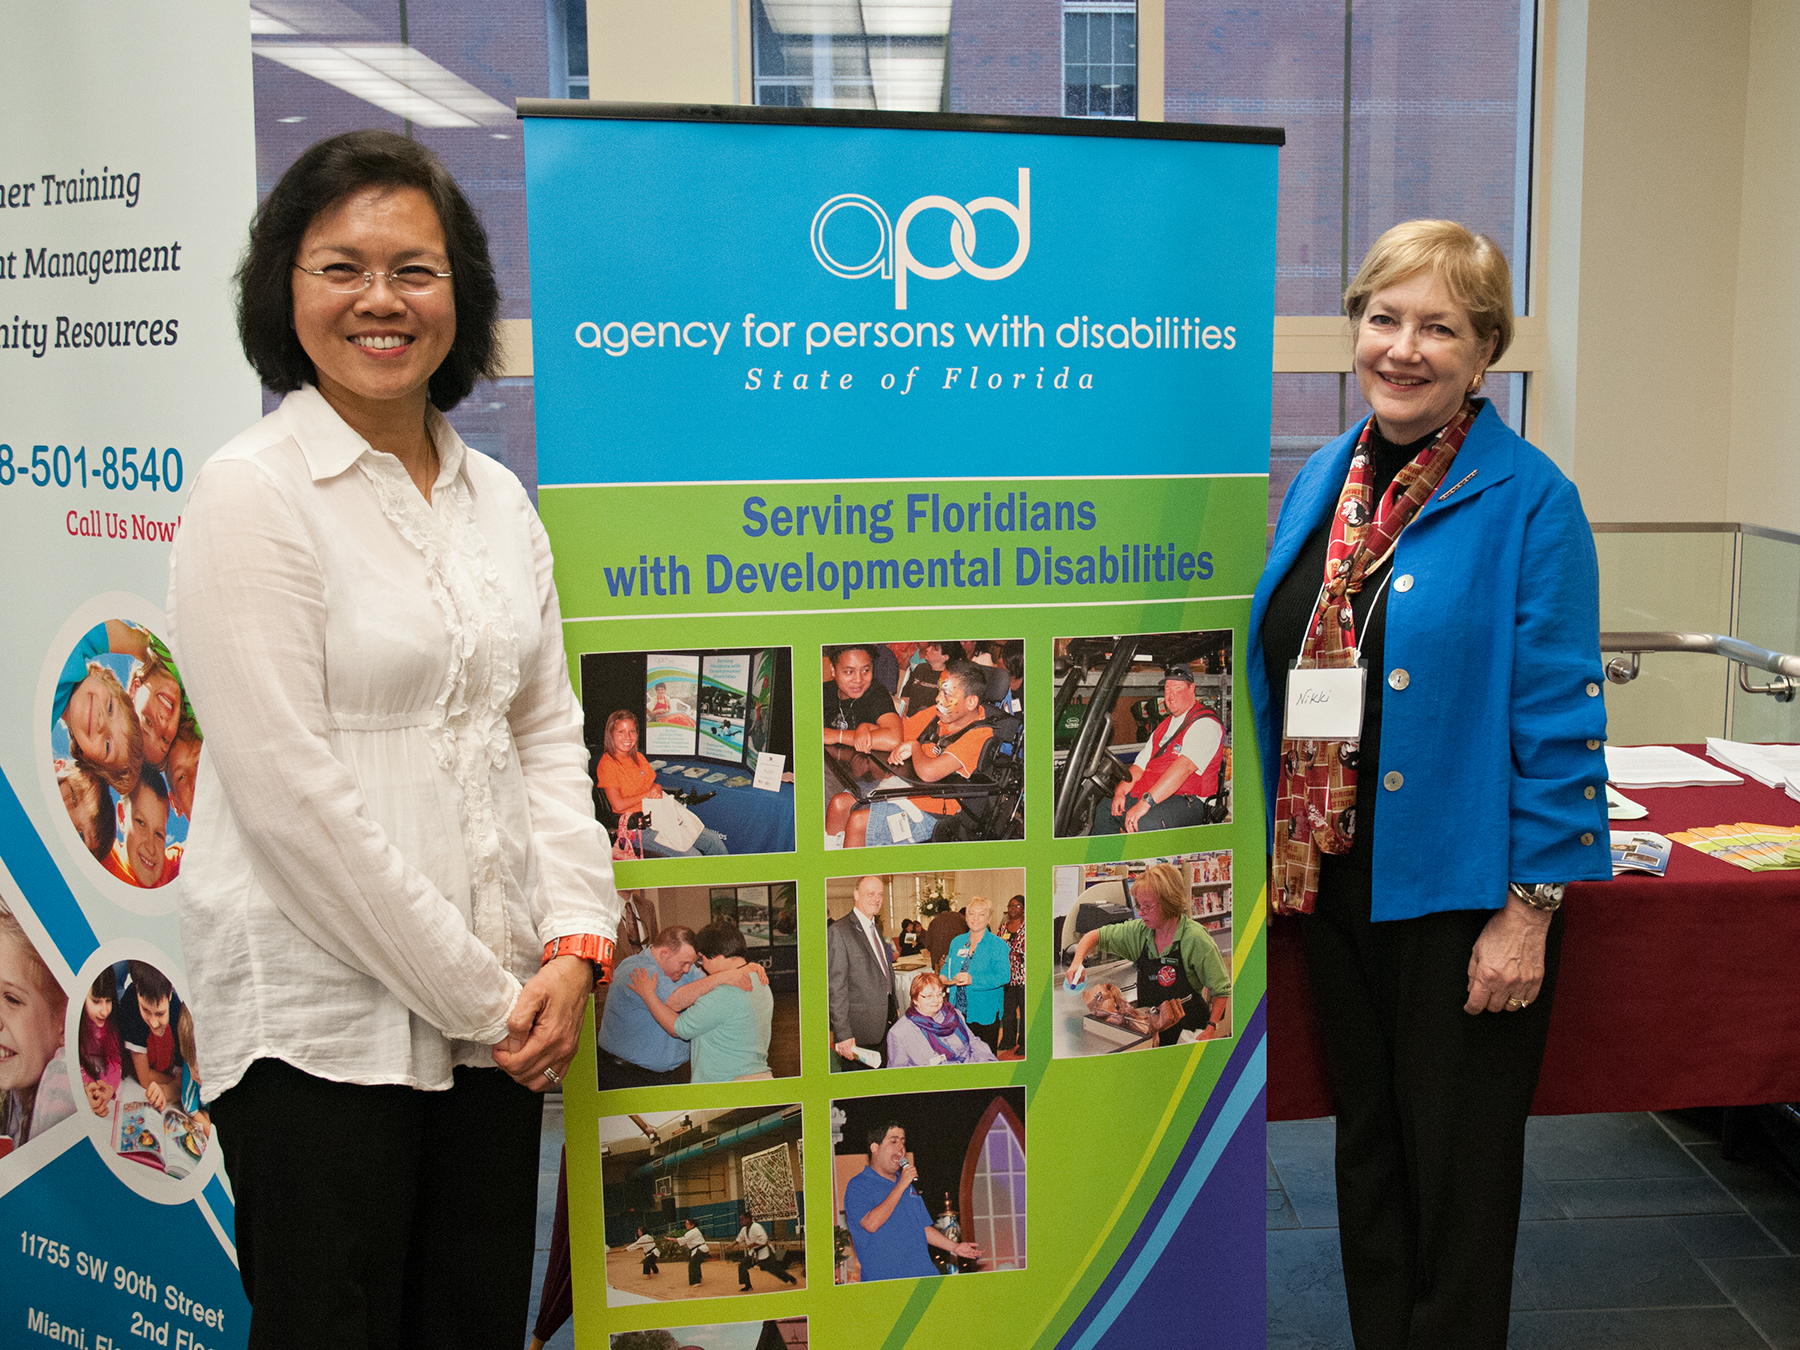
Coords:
1431,1107
769,1263
1012,1018
989,1033
382,1216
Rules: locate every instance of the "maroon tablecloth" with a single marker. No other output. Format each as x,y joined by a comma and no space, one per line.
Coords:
1681,990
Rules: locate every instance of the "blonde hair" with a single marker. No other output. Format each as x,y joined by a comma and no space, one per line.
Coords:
122,781
184,1037
1470,265
18,1104
977,902
1169,887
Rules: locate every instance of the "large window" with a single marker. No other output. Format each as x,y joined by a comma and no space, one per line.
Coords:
1100,60
1394,109
846,54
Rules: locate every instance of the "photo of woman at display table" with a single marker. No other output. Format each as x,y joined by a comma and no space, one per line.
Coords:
1453,558
398,899
629,781
1176,958
706,764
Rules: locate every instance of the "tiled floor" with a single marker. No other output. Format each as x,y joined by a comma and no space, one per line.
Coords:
1635,1234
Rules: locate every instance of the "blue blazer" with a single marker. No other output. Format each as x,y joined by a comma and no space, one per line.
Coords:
989,973
1494,745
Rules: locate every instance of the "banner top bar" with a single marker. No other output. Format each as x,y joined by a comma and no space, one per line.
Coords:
862,117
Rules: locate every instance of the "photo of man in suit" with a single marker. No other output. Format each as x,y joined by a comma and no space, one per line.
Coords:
861,972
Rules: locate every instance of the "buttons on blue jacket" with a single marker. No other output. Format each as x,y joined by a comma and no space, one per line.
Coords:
1593,689
1398,678
1392,780
1403,583
1588,792
1593,745
1586,839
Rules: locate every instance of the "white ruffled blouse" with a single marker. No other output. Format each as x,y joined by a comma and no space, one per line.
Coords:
392,813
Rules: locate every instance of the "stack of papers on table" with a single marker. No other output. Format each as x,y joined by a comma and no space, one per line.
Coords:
1755,848
1776,766
1656,766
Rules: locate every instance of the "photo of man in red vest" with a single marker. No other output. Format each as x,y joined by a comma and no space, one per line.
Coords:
1176,771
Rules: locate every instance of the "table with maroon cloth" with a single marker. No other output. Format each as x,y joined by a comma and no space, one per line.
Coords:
1676,991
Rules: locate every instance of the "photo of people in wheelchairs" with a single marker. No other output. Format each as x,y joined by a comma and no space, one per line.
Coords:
1143,732
924,742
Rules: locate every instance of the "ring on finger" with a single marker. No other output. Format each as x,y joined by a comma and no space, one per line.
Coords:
553,1075
1514,1003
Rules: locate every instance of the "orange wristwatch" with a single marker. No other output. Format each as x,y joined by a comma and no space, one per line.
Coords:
589,947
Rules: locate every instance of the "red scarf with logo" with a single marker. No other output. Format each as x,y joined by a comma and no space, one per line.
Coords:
1315,809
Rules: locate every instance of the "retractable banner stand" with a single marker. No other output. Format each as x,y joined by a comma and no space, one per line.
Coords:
967,420
127,176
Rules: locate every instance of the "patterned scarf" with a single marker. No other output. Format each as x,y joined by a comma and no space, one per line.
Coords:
1315,811
947,1033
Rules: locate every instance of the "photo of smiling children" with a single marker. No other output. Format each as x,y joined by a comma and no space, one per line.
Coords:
34,1080
125,745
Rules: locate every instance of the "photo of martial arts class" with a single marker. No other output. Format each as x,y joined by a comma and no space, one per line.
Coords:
705,987
1143,954
703,1204
692,752
924,742
1143,732
926,968
928,1183
778,1333
124,745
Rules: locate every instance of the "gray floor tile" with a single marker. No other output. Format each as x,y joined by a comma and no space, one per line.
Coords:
1301,1151
1767,1290
1592,1148
1281,1213
1306,1305
1654,1195
1634,1329
1683,1132
1537,1202
1606,1263
1769,1201
1710,1235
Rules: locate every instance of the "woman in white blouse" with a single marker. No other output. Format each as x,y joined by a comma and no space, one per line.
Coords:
396,896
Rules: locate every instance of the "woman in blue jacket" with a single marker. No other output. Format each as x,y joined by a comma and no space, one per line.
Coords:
976,970
1426,826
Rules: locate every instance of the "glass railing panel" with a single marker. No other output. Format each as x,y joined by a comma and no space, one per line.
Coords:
1769,616
1654,580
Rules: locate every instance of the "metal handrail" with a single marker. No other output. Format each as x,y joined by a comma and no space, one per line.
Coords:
1624,668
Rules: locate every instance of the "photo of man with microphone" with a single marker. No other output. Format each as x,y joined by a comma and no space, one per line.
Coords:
889,1225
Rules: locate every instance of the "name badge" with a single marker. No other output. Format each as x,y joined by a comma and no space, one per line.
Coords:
1325,705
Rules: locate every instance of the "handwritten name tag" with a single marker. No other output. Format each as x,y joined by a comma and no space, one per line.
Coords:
1325,705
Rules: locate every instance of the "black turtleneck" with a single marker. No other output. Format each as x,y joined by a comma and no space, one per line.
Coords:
1291,608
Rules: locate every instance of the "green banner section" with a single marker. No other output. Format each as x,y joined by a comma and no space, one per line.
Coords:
749,548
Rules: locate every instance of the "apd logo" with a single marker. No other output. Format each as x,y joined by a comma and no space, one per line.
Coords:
893,258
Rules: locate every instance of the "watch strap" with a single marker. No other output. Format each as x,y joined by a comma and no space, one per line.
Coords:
590,947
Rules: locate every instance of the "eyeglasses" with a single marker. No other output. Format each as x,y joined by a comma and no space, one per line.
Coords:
347,279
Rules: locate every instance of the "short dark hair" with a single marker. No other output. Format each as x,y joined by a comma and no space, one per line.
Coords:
106,985
970,678
153,779
674,938
879,1132
322,177
150,983
835,652
720,938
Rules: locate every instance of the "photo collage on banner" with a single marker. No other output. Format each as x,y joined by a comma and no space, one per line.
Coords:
120,360
910,1030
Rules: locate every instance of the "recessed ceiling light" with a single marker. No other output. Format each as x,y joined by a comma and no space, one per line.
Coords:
290,119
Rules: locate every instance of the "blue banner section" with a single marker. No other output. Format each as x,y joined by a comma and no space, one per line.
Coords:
30,864
115,1271
849,302
1206,1205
